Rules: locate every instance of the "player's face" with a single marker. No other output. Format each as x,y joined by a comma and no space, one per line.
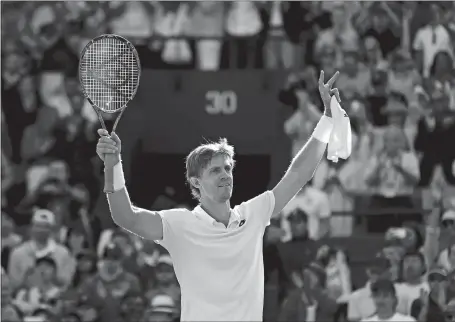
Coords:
216,180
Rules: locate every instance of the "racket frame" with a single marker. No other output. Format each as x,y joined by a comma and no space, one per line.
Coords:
109,175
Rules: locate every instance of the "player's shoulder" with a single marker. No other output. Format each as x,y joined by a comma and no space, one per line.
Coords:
175,215
261,203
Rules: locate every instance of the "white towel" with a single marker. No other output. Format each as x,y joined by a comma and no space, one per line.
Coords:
340,143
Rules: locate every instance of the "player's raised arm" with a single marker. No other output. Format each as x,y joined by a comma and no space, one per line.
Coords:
144,223
307,159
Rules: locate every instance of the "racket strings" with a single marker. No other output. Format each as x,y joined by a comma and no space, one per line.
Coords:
110,73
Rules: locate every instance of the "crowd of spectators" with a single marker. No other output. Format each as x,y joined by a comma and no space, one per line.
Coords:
397,84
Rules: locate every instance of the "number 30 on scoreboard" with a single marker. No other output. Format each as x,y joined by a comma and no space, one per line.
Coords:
221,102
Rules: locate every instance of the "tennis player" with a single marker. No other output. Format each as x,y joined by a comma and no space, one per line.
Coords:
216,249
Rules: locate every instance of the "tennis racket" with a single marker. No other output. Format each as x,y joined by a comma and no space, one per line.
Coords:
109,72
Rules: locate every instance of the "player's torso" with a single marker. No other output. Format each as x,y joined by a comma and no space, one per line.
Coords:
219,267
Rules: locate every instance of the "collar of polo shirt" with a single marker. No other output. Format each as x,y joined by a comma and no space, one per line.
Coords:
203,215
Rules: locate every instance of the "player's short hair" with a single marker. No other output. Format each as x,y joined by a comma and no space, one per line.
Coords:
200,157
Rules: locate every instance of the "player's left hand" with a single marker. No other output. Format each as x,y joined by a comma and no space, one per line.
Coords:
326,91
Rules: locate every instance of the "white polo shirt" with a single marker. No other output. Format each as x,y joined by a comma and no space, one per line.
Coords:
220,270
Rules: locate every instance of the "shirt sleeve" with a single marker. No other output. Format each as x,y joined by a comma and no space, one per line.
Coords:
173,221
259,208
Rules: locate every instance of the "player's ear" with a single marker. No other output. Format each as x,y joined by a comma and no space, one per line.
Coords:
195,182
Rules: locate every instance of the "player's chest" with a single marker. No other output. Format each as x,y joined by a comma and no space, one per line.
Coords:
222,245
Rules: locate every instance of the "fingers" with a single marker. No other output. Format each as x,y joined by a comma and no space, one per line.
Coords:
103,132
321,78
336,93
115,137
106,150
333,79
107,146
107,140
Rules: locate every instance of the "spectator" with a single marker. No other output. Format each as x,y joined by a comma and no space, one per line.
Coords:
132,307
299,126
310,302
147,260
41,290
9,311
373,54
398,114
326,58
77,134
443,74
166,282
385,27
125,242
8,177
341,35
355,77
431,39
133,20
385,301
15,66
243,25
378,97
207,20
339,284
298,238
316,212
403,76
392,173
162,309
38,139
9,238
430,305
76,240
449,312
433,131
365,140
176,52
413,281
360,302
41,245
85,268
290,29
106,289
336,180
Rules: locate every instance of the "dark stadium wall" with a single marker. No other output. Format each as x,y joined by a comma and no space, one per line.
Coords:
174,111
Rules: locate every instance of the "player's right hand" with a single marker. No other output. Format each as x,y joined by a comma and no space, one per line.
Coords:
108,148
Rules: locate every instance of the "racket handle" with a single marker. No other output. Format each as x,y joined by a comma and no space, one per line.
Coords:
109,175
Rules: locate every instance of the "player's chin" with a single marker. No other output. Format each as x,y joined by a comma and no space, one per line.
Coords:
225,195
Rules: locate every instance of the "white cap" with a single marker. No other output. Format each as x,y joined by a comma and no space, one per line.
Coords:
163,303
448,215
43,216
165,259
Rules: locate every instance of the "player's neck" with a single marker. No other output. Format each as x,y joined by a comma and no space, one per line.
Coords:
218,211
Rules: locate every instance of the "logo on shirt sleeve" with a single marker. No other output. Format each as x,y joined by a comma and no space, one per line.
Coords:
242,222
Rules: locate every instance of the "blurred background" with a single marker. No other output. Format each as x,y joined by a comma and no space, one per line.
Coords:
238,69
